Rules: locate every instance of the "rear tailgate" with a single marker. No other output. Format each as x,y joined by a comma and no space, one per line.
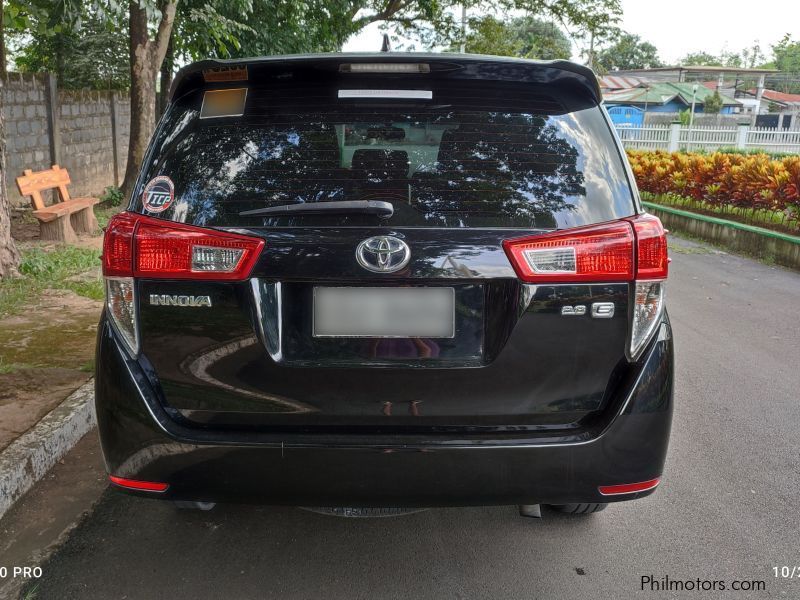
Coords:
252,358
477,163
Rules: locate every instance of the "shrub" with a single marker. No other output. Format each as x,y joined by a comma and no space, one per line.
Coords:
112,196
751,181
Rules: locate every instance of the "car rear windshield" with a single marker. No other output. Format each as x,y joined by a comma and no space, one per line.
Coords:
473,154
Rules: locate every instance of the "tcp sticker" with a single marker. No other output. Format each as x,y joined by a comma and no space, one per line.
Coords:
158,194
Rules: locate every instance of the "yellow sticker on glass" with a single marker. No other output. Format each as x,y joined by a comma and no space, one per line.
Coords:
223,103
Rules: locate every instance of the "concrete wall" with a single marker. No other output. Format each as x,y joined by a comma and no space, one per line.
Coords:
45,125
27,132
87,143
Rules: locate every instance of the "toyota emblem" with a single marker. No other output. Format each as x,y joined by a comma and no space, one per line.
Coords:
383,254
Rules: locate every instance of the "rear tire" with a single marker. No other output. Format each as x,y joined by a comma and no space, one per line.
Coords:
579,509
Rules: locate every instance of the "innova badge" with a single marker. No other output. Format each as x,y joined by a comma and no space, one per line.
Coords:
383,254
175,300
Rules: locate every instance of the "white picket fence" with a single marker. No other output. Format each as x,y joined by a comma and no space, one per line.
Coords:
674,137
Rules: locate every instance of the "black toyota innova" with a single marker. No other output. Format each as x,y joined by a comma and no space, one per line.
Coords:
385,281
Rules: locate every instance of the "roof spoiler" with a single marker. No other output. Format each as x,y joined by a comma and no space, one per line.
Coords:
222,73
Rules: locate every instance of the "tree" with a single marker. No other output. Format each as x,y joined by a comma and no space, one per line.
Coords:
9,256
713,103
787,60
541,39
490,36
206,28
629,51
3,60
93,57
731,59
146,56
23,18
753,57
787,55
701,59
524,37
16,17
726,58
438,26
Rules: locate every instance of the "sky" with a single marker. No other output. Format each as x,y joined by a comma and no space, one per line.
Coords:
678,27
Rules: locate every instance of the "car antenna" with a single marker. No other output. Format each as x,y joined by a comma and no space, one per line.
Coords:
386,46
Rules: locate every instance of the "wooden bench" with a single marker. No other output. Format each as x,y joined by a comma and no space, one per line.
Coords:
63,218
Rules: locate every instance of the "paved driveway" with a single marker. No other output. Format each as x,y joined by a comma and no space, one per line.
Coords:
728,508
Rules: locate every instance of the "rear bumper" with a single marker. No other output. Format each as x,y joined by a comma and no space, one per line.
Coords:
140,441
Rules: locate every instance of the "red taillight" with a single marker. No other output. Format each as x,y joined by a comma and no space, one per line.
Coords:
174,251
651,247
154,248
135,484
118,245
595,253
625,250
629,488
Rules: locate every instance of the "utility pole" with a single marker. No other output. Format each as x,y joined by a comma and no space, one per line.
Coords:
463,28
691,116
759,96
590,64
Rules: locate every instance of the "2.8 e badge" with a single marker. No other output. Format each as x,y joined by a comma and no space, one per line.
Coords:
158,194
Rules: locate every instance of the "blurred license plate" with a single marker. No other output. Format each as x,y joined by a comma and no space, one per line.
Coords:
384,312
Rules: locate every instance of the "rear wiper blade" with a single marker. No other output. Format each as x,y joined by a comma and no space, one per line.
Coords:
343,207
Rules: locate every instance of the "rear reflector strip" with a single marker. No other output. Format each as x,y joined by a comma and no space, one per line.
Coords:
135,484
629,488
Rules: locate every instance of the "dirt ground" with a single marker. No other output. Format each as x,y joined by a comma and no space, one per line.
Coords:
24,227
52,346
49,347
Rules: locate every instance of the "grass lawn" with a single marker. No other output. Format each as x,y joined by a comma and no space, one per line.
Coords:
57,268
104,213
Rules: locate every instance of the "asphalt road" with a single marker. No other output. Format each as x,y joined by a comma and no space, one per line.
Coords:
728,508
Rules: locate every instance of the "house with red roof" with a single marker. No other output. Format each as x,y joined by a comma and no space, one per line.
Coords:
776,109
